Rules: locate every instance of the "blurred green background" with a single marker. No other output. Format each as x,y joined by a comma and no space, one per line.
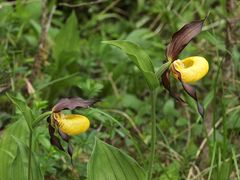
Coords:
52,49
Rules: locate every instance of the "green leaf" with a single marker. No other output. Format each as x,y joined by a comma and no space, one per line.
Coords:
40,118
8,147
67,41
131,101
25,110
140,58
125,130
19,165
169,109
225,170
234,157
163,68
108,162
182,122
171,172
233,120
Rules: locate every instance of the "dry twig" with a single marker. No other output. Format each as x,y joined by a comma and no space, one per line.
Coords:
42,53
82,4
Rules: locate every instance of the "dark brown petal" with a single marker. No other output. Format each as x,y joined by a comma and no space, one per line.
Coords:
181,38
51,130
72,103
166,81
49,119
64,136
70,152
191,91
55,141
167,85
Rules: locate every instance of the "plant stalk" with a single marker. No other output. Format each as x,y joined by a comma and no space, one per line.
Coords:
153,140
30,155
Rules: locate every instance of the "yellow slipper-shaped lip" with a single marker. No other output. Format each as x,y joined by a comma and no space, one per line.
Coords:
192,69
72,124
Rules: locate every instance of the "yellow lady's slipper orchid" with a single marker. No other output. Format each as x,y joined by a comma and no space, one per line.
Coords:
67,124
188,70
191,69
72,124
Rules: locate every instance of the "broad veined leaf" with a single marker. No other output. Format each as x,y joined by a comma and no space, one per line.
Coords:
67,40
8,147
108,162
19,165
140,58
25,110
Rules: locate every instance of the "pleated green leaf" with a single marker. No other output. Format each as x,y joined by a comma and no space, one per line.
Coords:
19,165
67,40
110,163
25,110
14,154
9,148
140,58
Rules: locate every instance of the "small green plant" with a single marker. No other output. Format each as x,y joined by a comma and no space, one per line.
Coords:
188,70
24,151
158,117
119,165
67,124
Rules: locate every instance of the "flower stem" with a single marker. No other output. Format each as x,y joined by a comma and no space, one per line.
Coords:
30,155
153,140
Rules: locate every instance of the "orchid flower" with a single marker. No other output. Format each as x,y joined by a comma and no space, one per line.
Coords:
68,124
188,70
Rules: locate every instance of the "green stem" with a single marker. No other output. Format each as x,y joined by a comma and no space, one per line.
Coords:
153,140
30,155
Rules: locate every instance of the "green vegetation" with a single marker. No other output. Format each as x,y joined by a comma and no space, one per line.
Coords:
113,52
